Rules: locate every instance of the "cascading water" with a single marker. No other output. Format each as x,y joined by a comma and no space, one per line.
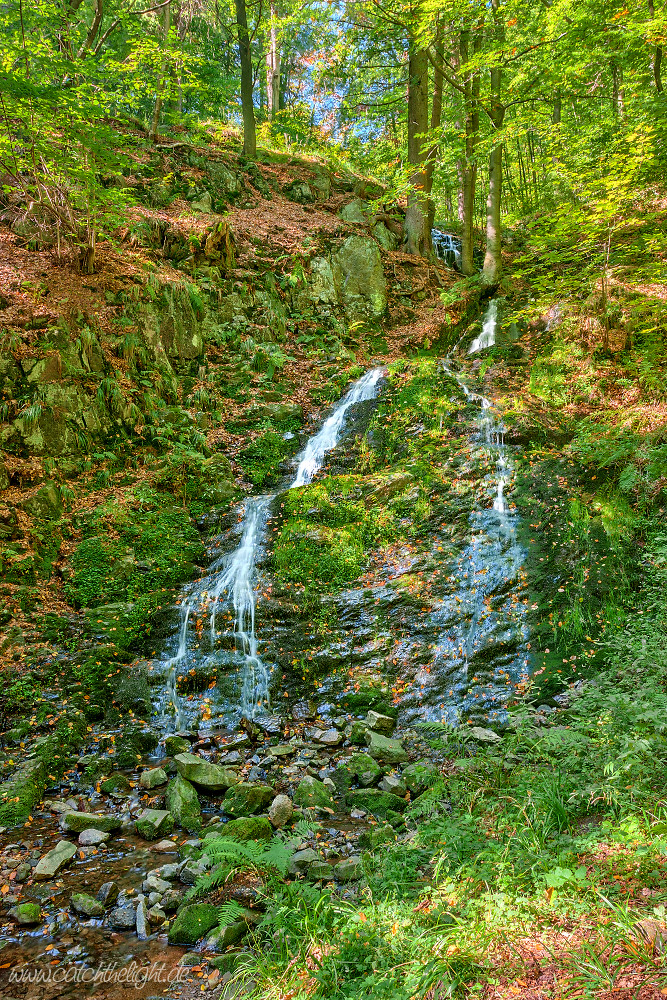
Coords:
487,337
229,587
447,247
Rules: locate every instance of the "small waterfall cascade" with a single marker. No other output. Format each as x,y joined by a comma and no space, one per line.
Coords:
227,591
487,337
447,247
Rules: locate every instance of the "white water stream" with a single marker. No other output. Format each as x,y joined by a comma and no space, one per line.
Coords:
230,585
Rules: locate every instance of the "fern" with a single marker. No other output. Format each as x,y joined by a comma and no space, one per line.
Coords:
436,728
250,854
230,913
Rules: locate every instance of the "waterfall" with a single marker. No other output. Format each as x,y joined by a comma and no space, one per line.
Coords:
447,247
487,337
230,584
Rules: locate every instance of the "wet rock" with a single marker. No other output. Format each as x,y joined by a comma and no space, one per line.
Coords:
357,733
165,846
107,894
183,803
26,914
156,915
176,744
221,938
329,738
301,861
245,799
375,801
282,750
23,873
349,870
155,884
172,900
142,920
210,778
234,757
91,837
380,723
392,783
51,863
86,906
77,822
383,833
123,918
313,793
366,770
192,923
420,776
154,823
281,811
153,778
384,749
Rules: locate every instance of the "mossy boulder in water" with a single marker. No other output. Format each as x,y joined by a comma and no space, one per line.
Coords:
246,828
77,822
154,823
374,801
117,785
182,802
176,744
26,914
245,799
312,793
210,778
192,923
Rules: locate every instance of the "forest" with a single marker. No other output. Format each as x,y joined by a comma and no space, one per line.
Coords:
333,482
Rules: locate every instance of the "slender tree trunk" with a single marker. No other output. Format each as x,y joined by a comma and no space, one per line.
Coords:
416,221
471,99
493,258
163,72
436,116
247,106
272,69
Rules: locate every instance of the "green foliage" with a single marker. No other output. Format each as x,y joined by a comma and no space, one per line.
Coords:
260,459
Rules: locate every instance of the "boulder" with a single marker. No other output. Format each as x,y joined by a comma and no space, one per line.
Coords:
77,822
380,723
245,828
392,783
482,735
117,785
418,777
123,918
281,811
312,793
51,863
375,801
192,923
177,744
154,823
359,278
183,804
26,914
384,749
300,862
245,799
366,770
320,871
86,906
356,212
210,778
91,837
107,894
153,778
221,938
349,870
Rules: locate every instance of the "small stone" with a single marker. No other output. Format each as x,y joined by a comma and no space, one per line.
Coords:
23,873
165,846
90,837
282,750
281,811
86,905
123,918
349,870
153,778
108,893
380,723
172,900
26,914
330,738
156,915
52,862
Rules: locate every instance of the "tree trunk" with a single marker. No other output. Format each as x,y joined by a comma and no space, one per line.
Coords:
436,116
163,72
272,69
493,258
471,102
247,106
416,222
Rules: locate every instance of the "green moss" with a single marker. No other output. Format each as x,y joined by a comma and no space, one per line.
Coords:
192,922
261,458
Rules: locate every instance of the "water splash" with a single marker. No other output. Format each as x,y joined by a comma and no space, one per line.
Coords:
229,587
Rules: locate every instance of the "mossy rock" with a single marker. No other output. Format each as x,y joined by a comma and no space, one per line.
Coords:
183,803
154,823
245,799
117,785
176,744
420,776
375,801
312,793
244,828
192,923
22,792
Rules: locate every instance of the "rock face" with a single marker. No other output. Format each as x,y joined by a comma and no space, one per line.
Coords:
51,863
183,804
210,778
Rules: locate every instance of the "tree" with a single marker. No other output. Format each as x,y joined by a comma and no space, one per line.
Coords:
245,58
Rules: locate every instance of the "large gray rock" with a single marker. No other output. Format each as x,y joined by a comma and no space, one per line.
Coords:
154,823
384,749
153,778
91,837
245,799
356,211
208,777
380,723
123,918
359,278
51,863
281,811
77,822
